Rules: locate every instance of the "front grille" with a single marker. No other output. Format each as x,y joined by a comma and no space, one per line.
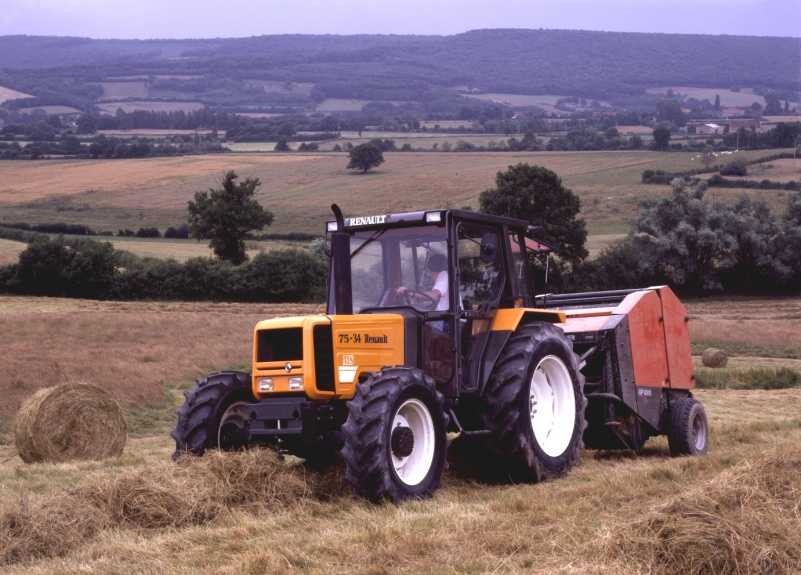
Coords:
324,357
280,344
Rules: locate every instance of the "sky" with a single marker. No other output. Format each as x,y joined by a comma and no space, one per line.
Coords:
234,18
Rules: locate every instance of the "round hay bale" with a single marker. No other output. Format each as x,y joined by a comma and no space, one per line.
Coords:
714,357
72,421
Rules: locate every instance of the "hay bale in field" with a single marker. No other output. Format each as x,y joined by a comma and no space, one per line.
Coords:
714,357
746,520
67,422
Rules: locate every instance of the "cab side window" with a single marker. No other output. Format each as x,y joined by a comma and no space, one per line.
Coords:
480,265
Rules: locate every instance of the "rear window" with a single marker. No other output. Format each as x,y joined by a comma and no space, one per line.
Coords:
280,344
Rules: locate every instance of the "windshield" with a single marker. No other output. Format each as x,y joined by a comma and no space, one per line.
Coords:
400,266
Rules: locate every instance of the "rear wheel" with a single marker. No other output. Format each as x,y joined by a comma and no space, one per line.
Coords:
689,427
214,415
535,404
395,440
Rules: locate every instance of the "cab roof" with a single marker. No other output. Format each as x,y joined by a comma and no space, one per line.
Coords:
440,216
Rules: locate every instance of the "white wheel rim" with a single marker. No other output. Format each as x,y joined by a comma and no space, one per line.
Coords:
414,415
552,406
237,414
699,426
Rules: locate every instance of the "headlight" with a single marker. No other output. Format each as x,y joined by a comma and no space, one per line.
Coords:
265,384
295,383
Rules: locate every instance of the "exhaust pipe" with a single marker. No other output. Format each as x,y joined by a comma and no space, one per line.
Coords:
340,259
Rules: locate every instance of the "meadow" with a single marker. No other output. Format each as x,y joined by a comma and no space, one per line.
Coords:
610,515
299,188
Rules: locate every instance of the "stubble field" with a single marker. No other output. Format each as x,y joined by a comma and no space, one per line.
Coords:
592,521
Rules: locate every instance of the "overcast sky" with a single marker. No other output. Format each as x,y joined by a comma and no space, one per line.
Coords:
225,18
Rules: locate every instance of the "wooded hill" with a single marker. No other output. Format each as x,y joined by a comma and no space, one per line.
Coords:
398,68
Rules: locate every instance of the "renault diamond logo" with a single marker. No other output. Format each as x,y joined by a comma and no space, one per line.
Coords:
288,367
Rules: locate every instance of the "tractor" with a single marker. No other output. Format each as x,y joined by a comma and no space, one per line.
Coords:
433,329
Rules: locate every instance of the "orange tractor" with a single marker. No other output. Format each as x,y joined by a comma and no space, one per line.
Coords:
431,328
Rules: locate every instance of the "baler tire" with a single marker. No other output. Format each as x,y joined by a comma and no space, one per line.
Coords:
687,419
507,397
197,427
368,434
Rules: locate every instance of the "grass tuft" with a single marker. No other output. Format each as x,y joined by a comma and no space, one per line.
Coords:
746,520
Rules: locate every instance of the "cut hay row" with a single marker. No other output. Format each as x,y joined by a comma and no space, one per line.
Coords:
745,521
193,492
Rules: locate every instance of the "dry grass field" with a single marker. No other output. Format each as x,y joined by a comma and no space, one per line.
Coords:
735,510
7,94
183,250
124,90
51,110
776,170
111,194
9,251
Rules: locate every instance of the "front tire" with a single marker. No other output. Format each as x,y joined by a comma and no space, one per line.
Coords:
535,404
395,437
689,428
211,418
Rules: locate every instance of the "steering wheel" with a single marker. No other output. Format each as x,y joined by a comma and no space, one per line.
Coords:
421,294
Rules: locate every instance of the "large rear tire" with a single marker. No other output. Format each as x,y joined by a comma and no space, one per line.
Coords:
209,417
395,437
535,404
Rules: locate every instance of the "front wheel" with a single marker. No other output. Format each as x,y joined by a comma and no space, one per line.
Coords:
395,437
214,415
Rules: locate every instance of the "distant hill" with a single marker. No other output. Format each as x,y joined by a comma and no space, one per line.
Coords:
398,68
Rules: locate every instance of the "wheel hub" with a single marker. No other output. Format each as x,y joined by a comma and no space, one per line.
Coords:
402,441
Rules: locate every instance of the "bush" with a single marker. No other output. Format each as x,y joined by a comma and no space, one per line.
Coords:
700,247
181,232
77,268
85,268
148,233
735,168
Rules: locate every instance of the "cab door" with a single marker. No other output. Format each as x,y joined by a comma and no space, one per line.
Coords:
481,280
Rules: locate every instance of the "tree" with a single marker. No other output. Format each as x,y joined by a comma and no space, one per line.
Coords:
365,156
717,102
281,145
226,215
773,106
536,194
661,137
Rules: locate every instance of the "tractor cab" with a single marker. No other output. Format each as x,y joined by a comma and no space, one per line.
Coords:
445,271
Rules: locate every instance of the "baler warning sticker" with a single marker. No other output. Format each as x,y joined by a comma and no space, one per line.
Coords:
347,371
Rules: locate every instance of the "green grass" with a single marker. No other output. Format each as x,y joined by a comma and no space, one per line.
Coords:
756,378
747,348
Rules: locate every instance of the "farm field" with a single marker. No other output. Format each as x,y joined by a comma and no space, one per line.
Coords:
7,94
124,90
150,133
112,194
9,251
150,106
589,522
51,110
183,250
742,99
